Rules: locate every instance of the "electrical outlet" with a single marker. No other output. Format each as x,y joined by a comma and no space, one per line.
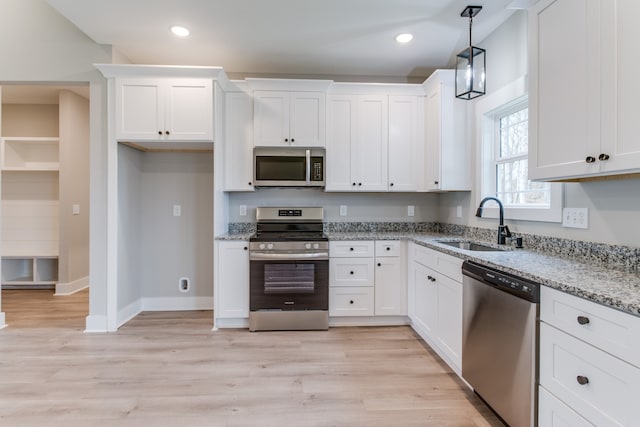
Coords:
75,209
411,210
184,284
177,210
458,211
243,210
575,217
343,210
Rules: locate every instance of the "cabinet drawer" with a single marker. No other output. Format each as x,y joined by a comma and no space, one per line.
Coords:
351,249
554,413
388,248
596,385
351,272
448,265
351,301
608,329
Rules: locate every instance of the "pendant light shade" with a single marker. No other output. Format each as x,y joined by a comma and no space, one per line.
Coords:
471,64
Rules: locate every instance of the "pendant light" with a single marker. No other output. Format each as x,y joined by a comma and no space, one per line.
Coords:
470,64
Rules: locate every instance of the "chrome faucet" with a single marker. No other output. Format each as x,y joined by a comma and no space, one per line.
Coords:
503,230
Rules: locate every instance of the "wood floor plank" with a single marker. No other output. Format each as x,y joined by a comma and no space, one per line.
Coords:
170,369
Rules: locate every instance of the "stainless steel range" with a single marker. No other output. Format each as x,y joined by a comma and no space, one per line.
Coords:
289,270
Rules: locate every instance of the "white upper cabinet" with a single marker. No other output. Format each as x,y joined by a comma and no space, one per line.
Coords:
164,109
447,151
405,135
238,144
284,118
357,143
582,115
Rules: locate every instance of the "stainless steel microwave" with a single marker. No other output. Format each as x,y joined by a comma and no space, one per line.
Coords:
288,167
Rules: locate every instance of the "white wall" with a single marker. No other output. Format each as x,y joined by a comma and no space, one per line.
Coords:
73,265
374,207
614,205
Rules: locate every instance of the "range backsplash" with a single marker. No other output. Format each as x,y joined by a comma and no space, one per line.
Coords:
613,256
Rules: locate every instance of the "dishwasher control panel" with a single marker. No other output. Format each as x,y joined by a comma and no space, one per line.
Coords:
515,285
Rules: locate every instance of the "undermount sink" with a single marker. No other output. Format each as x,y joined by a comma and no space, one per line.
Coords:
469,246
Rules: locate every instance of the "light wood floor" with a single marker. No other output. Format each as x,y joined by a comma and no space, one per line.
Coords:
170,369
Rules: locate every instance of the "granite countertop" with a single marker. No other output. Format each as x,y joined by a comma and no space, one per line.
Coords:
599,283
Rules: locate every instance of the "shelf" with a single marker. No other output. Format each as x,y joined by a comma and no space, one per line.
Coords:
29,270
30,153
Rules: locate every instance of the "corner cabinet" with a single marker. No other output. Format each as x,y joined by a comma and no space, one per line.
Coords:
447,149
283,119
162,109
231,291
582,118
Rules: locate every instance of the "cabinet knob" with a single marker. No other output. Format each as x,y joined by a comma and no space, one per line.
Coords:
582,380
159,132
391,184
245,248
379,264
388,248
603,157
354,184
359,184
293,140
436,182
286,140
350,301
249,183
351,272
590,159
583,320
166,132
351,249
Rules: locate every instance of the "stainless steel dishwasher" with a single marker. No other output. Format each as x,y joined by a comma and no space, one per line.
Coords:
500,341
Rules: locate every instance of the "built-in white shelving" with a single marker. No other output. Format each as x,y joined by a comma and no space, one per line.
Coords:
29,271
30,153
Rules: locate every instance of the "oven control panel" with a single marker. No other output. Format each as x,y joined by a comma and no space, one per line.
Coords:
289,212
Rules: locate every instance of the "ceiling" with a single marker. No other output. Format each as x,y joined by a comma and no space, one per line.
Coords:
346,40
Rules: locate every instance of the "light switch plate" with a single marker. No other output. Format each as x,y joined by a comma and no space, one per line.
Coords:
75,209
343,210
575,217
459,211
411,210
243,210
177,210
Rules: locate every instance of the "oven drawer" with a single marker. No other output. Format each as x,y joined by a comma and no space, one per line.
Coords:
351,249
351,272
388,248
351,301
600,387
610,330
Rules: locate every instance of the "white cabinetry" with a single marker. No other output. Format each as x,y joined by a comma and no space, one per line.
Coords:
405,140
162,109
447,159
367,278
231,296
390,278
582,118
238,143
289,119
357,143
435,294
589,361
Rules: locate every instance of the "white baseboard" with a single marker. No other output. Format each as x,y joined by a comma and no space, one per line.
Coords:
3,324
72,287
96,324
177,304
369,321
129,312
231,323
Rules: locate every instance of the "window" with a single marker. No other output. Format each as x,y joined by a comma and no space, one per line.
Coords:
503,124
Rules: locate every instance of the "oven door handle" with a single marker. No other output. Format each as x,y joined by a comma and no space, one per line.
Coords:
308,171
292,257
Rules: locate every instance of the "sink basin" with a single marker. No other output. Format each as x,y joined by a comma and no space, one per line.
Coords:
469,246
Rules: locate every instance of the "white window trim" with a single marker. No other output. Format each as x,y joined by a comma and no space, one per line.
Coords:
485,128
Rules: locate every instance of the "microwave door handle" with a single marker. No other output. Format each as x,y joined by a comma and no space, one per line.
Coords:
308,167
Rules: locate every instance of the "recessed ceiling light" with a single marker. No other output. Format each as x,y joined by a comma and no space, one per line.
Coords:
404,38
180,31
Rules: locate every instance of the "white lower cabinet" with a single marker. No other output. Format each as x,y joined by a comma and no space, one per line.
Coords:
584,364
435,294
553,413
367,278
231,296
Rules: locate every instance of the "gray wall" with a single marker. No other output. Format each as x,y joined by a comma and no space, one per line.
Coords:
376,207
177,246
74,187
614,205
